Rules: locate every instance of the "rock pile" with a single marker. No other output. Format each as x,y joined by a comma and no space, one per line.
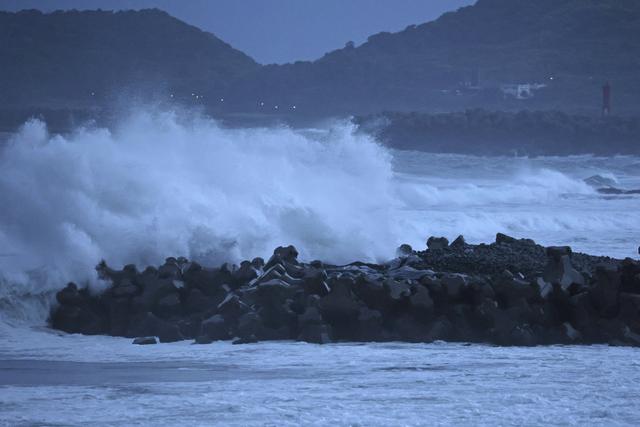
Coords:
511,292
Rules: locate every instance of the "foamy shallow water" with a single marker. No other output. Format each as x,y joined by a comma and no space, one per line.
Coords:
75,380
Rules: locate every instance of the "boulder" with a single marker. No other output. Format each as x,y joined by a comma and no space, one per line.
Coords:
275,334
278,272
504,239
485,315
190,327
437,243
203,339
560,270
408,273
480,290
246,340
631,337
170,269
311,315
454,285
215,328
369,325
197,302
153,289
339,305
440,330
605,290
630,308
509,289
569,333
119,314
372,292
582,314
630,276
168,306
245,274
145,341
283,255
460,316
406,328
116,276
148,324
274,292
458,243
125,289
231,308
315,282
523,336
397,290
80,319
315,333
69,295
209,281
249,324
542,288
404,250
421,302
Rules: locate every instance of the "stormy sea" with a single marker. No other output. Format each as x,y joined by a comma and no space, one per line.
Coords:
165,184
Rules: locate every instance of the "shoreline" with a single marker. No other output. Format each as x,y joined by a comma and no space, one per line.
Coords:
509,293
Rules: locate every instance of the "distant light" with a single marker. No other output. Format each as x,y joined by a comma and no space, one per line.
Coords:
262,104
276,107
171,95
93,94
221,99
294,107
193,94
551,78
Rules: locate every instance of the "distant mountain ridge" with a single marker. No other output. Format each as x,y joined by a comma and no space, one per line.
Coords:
71,57
465,59
571,46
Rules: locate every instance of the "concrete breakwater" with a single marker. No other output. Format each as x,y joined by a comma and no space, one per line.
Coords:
510,292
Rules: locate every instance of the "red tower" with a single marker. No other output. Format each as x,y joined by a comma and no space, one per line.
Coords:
606,99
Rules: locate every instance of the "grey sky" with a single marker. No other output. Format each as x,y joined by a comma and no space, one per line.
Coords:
277,30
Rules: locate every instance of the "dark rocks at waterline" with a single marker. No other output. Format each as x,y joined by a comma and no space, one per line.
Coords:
145,341
510,292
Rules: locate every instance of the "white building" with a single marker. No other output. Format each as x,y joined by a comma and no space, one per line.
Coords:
521,90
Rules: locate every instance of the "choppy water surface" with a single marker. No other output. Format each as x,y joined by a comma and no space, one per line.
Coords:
72,380
553,200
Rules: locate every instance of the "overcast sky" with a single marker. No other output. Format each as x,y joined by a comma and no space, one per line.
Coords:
277,30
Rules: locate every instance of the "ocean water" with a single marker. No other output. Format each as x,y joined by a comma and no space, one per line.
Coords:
170,184
103,381
553,200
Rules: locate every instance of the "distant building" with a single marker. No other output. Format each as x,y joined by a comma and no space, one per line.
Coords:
521,90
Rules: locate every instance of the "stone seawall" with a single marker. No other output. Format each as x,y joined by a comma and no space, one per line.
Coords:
510,292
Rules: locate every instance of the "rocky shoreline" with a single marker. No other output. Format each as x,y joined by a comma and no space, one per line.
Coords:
510,292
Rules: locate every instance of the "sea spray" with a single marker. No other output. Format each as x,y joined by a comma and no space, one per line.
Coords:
163,183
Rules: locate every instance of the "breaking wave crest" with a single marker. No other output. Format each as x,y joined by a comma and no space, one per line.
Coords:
163,184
